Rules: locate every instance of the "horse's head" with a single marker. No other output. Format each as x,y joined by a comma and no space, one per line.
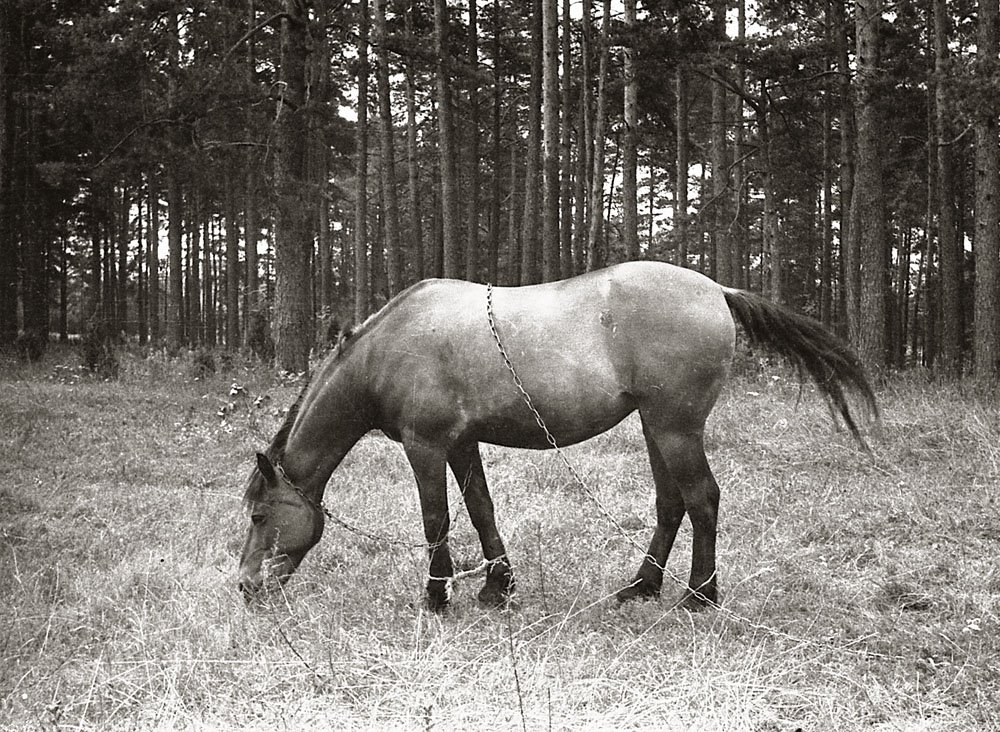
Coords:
284,525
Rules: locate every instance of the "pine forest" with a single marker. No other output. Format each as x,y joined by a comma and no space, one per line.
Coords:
254,174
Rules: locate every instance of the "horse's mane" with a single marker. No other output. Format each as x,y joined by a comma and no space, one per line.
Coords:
347,338
277,448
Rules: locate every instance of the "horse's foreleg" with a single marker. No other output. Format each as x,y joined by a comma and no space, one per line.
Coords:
428,463
467,465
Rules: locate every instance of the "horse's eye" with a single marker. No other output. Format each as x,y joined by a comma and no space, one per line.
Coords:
257,519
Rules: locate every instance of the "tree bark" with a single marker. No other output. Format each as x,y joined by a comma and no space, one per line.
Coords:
597,252
493,263
850,256
950,357
293,327
721,215
868,224
446,134
233,277
472,214
987,237
412,164
9,74
175,216
153,259
630,154
390,213
362,283
251,229
530,241
551,267
566,149
681,192
773,261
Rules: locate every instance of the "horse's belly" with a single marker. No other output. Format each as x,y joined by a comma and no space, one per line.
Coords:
565,419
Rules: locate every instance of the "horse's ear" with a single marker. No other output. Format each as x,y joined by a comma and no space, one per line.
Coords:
266,468
344,336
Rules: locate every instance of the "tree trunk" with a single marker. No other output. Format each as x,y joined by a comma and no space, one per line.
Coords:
233,268
630,155
175,227
738,239
153,259
530,241
390,212
987,237
293,328
412,164
207,284
446,134
362,283
551,268
868,224
723,259
195,331
849,254
251,228
681,192
585,142
826,256
566,149
121,286
772,279
597,253
950,360
9,76
493,264
513,269
472,214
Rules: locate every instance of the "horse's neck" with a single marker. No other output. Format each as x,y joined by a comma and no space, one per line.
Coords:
331,421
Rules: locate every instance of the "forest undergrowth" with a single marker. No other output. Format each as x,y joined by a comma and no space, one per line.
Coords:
859,592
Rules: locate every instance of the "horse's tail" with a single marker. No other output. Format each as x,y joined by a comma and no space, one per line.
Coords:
804,342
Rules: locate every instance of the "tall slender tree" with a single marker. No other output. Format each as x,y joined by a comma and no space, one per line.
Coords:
551,268
987,235
597,252
868,224
446,140
390,211
950,360
362,282
293,243
530,240
471,241
630,151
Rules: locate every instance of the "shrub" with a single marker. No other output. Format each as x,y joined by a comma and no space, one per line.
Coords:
98,349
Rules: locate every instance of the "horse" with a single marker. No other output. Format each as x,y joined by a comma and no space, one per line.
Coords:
589,350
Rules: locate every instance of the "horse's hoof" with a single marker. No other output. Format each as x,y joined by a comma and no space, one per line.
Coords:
639,589
436,600
495,595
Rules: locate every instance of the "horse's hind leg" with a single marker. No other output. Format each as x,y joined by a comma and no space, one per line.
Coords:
467,465
684,483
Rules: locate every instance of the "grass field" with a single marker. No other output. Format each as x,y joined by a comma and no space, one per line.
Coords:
859,593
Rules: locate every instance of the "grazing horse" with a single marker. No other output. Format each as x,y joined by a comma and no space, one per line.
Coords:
590,350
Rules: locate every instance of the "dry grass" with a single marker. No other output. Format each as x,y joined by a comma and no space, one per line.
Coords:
859,593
